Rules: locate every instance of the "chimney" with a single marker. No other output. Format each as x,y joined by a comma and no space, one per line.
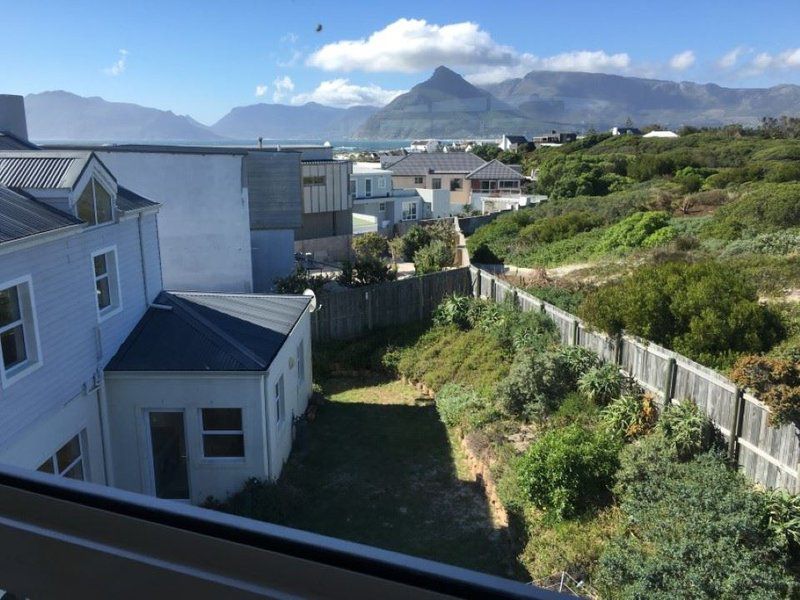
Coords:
12,116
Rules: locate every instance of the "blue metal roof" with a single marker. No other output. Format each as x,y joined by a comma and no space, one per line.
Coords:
42,169
193,331
22,216
128,201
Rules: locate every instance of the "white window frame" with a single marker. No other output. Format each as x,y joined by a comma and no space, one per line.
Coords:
204,432
301,361
81,435
114,287
412,210
280,400
30,330
368,187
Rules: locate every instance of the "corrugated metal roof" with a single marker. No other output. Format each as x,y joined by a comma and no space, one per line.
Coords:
210,332
128,201
9,141
436,162
22,216
42,170
494,169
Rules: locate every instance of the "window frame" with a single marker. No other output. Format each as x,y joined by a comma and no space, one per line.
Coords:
219,432
114,284
314,180
53,459
382,206
30,333
280,400
436,183
368,187
419,180
382,183
413,210
93,182
456,184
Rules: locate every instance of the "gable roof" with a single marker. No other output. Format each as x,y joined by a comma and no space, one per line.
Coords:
193,331
494,169
41,169
128,201
436,162
516,139
22,216
8,141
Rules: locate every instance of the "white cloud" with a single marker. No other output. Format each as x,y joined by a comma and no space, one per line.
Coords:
283,86
788,59
342,93
413,45
295,58
118,68
682,61
729,59
261,89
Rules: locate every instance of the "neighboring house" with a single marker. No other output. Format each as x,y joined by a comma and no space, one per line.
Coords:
205,391
491,181
79,266
661,134
425,146
625,131
512,142
438,171
554,137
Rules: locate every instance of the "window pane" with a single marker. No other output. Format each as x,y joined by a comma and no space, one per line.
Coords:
437,184
100,266
9,306
86,206
76,472
103,203
222,419
103,293
223,445
69,453
47,467
12,343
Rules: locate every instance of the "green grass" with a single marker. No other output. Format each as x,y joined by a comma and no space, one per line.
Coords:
377,466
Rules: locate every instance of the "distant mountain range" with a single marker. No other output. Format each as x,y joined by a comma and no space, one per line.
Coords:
444,106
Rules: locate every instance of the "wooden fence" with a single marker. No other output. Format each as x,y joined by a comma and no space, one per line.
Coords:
767,455
348,314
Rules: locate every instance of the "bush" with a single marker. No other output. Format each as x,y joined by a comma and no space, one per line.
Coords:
569,470
630,416
460,406
299,281
366,270
370,245
705,311
414,239
454,310
552,229
687,432
696,530
775,381
433,258
636,231
765,208
783,510
780,243
602,384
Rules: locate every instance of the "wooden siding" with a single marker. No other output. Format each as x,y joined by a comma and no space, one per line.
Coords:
334,194
273,181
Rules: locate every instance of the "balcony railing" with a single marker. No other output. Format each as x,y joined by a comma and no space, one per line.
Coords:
68,539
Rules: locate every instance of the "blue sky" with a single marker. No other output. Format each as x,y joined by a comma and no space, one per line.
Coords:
203,58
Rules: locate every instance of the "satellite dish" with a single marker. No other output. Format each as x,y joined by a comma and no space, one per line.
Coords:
310,292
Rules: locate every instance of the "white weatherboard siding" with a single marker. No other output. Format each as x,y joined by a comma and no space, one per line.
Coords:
43,409
204,219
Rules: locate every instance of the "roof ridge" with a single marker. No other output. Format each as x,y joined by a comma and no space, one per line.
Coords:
181,304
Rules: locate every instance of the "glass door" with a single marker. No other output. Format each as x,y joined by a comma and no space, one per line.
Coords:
168,449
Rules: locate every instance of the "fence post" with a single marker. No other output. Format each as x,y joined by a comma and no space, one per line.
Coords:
479,277
618,350
736,425
515,297
493,289
421,289
368,301
669,381
575,332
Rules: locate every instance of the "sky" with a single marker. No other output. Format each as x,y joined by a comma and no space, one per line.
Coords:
204,57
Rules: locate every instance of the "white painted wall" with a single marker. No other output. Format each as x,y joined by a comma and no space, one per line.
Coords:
204,221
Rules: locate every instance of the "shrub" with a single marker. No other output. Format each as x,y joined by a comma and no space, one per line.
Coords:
780,243
455,403
569,470
696,530
601,384
576,361
299,281
413,240
454,310
536,384
783,510
764,208
635,231
433,258
775,381
366,270
630,416
686,430
552,229
565,297
370,245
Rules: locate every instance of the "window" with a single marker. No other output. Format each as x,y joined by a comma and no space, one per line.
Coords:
487,184
382,183
106,282
368,184
280,401
352,187
455,185
436,183
419,181
301,361
94,204
314,180
409,211
382,206
19,348
509,184
68,461
222,433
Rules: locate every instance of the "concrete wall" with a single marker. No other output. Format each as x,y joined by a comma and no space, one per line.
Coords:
331,248
274,189
373,209
204,221
273,257
457,197
381,184
320,225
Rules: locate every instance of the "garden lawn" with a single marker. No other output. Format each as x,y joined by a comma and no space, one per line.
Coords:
377,466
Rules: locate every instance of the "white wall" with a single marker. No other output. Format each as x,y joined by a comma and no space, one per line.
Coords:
204,221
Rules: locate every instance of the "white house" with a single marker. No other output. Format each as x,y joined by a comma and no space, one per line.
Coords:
512,142
205,391
425,146
661,134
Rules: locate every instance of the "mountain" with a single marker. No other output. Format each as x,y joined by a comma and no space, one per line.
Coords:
583,100
62,116
281,121
445,106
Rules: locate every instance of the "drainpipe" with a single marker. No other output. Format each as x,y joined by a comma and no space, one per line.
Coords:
105,431
144,262
265,404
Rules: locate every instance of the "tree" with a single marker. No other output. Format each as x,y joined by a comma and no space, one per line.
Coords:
486,151
370,244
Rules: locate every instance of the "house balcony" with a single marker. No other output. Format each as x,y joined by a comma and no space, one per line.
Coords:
70,539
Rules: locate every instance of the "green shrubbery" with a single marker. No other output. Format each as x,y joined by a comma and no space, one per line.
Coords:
431,248
764,208
644,229
461,406
569,470
602,384
630,416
